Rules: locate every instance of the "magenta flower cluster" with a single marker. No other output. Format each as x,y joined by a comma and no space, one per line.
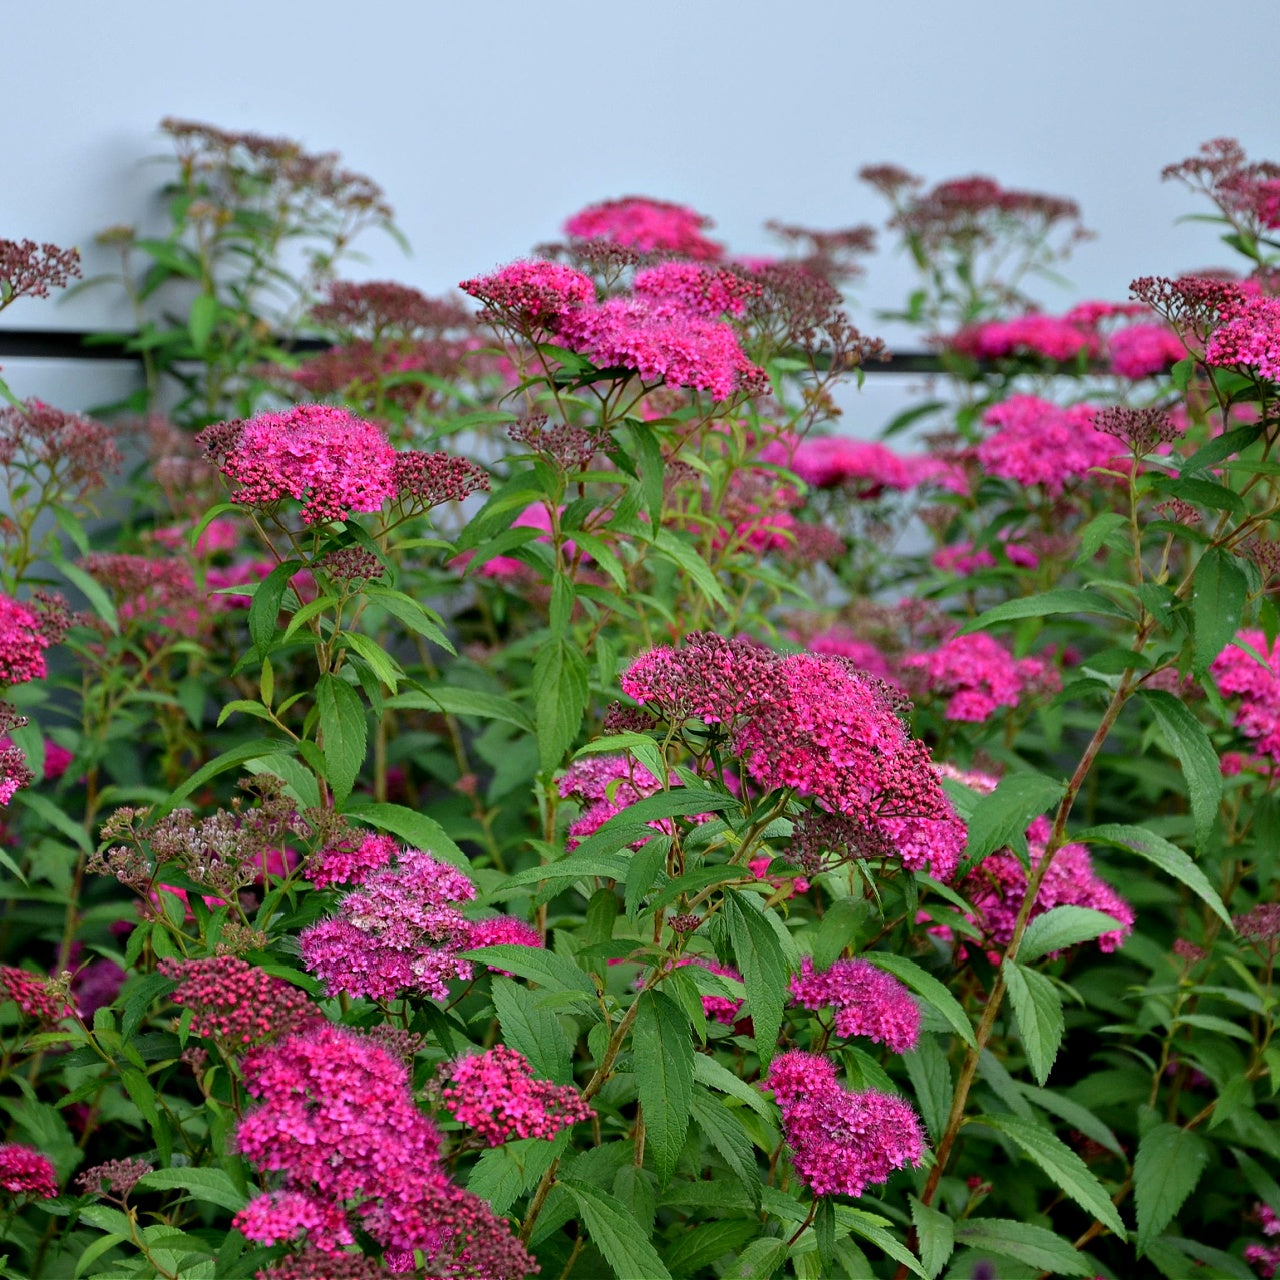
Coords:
234,1002
841,1142
867,1001
1249,336
24,1171
1240,675
337,1123
648,226
980,676
605,785
22,643
496,1095
1037,442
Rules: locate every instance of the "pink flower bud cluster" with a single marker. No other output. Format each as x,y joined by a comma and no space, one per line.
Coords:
533,295
22,643
234,1002
322,456
400,930
806,721
998,886
841,1141
496,1095
337,1122
35,995
868,1001
1240,675
1037,442
647,225
24,1171
1265,1257
980,675
1249,337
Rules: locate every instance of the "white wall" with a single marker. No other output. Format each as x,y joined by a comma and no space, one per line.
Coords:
489,122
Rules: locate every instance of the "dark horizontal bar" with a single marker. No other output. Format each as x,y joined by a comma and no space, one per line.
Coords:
82,344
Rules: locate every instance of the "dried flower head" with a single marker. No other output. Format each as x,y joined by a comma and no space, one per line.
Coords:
74,453
121,1176
425,480
31,270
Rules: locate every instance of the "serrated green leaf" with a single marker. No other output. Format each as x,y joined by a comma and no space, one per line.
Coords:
1068,1172
871,1226
724,1130
1061,600
1002,818
533,1030
1218,592
1062,927
459,701
763,967
621,1240
212,1186
560,693
663,1053
546,968
1169,1163
344,733
759,1260
1189,741
935,1233
1032,1245
417,829
930,1075
264,609
708,1071
1158,851
1037,1009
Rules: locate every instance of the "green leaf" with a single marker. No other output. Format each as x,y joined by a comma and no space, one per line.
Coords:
1218,591
259,748
546,968
708,1071
90,587
926,986
1001,818
1169,1163
1060,600
416,829
1222,447
406,609
759,1260
687,558
265,607
560,693
1034,1246
1067,1170
1157,850
621,1240
936,1235
213,1186
1062,927
871,1226
458,701
56,817
344,733
694,1250
930,1076
1077,1116
1190,743
663,1052
532,1030
1096,532
724,1130
1037,1008
764,970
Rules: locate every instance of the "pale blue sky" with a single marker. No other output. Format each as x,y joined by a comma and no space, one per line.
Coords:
489,123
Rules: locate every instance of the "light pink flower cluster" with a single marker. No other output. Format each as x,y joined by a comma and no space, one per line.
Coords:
841,1141
1240,675
865,467
998,886
839,643
1143,350
349,862
806,721
22,643
664,343
1051,337
868,1001
605,785
400,930
337,1121
1037,442
496,1095
532,295
234,1002
317,454
1250,337
24,1171
649,226
700,290
980,675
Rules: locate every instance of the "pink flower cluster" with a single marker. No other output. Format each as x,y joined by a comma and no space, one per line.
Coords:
24,1171
865,656
980,675
496,1095
809,722
351,863
234,1002
1051,337
717,1008
33,994
664,343
1240,675
841,1141
605,785
400,930
998,886
322,456
337,1121
868,1001
1037,442
699,290
1143,350
649,226
22,643
532,295
865,467
1249,336
1265,1257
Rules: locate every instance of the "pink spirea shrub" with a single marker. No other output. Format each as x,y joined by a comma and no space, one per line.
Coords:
841,1142
867,1001
1240,675
698,289
648,226
979,674
1037,442
324,457
497,1097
